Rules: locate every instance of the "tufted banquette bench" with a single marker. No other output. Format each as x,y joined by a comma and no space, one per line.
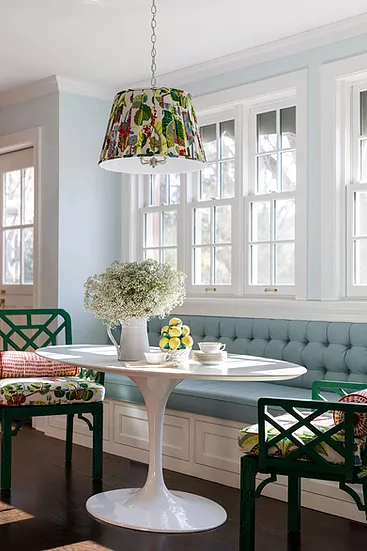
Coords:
334,351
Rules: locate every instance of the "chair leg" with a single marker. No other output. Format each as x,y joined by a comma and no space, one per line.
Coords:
69,437
247,506
98,442
294,504
364,487
6,450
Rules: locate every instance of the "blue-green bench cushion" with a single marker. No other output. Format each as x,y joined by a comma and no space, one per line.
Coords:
235,401
334,351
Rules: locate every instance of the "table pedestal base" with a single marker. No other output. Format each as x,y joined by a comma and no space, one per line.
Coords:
168,512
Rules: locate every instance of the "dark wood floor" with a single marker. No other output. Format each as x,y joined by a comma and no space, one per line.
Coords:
46,509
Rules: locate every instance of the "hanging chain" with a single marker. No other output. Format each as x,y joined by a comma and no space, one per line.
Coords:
153,39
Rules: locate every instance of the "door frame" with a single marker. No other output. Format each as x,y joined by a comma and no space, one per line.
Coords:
15,142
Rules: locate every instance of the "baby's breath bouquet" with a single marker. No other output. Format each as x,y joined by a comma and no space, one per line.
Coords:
128,290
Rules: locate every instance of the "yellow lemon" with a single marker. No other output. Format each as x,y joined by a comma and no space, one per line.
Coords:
175,331
174,343
185,330
164,329
175,321
163,343
187,340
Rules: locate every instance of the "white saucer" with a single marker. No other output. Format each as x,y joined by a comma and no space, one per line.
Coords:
207,358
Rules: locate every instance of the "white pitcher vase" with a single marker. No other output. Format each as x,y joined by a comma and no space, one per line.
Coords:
133,341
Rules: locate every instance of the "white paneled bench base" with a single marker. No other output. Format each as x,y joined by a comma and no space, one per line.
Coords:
196,445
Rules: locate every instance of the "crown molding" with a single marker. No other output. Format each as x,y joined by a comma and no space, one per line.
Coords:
85,89
307,40
28,91
54,84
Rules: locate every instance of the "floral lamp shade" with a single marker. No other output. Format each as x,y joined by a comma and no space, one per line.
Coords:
152,131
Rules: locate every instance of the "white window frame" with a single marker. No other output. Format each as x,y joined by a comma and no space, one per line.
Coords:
144,184
193,202
251,197
217,106
352,184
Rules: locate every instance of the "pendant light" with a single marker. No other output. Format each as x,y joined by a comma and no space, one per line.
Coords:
152,130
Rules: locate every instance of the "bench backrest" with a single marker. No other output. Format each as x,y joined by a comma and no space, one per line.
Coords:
334,351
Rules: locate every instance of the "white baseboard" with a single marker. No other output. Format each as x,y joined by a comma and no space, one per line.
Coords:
199,446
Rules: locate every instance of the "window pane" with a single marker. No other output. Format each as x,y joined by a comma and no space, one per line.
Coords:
202,226
158,190
284,219
28,195
152,229
222,265
363,161
27,255
228,179
12,256
284,264
288,128
267,173
260,264
209,136
152,254
202,265
174,189
227,140
260,221
12,199
223,224
266,124
170,228
170,256
363,113
360,213
289,170
360,262
208,182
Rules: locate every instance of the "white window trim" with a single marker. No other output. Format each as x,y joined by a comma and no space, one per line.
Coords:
337,80
208,107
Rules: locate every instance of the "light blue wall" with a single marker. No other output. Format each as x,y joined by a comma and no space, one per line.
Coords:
89,208
312,60
42,112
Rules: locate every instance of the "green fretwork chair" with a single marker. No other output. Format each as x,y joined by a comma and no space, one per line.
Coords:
27,330
307,445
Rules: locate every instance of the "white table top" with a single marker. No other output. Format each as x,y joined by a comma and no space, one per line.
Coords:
236,368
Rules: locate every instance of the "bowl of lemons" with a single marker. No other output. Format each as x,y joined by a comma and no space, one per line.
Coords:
176,340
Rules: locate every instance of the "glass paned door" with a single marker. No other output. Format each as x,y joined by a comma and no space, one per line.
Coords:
17,211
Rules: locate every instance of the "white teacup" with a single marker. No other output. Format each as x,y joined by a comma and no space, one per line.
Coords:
211,347
156,357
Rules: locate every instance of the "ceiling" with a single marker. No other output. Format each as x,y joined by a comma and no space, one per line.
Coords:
107,42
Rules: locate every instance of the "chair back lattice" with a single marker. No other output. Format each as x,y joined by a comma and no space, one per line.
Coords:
307,455
29,329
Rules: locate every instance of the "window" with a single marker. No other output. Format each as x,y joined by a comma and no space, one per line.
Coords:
160,219
17,225
357,196
234,227
271,202
210,211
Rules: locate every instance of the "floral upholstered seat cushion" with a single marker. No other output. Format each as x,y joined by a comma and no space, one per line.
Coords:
249,440
45,391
